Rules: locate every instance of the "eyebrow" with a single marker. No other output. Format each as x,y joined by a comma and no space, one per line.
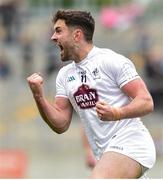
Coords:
57,28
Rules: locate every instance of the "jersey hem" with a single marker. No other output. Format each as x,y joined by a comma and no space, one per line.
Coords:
61,96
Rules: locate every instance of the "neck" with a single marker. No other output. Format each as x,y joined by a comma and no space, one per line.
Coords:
82,52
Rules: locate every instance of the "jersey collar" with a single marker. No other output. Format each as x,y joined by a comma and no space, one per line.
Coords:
89,55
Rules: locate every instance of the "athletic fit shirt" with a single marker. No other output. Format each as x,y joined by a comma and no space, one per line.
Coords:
100,76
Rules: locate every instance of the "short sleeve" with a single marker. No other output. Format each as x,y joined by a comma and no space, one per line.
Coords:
60,85
120,69
126,73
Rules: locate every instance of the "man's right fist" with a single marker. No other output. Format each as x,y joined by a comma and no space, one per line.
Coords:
35,82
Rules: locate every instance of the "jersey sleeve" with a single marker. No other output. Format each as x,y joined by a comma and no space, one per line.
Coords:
60,85
127,74
122,70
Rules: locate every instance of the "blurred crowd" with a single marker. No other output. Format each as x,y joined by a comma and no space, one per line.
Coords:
9,20
16,32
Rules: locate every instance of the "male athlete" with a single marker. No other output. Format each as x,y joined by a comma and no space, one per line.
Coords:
108,94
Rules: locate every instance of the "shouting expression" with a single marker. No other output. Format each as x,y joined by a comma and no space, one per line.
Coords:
63,37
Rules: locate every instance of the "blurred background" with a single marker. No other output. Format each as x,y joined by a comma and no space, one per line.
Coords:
28,147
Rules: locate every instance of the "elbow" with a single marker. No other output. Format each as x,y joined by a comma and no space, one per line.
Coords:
60,127
60,130
150,105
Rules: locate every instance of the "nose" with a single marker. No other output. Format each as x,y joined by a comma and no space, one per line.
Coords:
54,37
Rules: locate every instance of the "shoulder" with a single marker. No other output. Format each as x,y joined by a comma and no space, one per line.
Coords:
64,71
108,55
113,63
111,59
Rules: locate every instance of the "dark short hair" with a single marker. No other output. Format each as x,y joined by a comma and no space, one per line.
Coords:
81,19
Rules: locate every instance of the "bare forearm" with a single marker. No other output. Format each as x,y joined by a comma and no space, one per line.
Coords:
53,116
138,107
142,102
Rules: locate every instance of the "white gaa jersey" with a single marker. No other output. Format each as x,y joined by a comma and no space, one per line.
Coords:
100,76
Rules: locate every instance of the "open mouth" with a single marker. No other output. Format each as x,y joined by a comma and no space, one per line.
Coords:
61,48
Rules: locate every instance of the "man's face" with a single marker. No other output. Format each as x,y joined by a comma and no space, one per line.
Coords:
63,37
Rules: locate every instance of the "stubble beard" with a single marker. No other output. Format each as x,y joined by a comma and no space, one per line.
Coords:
66,55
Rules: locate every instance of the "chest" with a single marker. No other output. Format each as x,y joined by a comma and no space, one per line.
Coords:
89,75
87,84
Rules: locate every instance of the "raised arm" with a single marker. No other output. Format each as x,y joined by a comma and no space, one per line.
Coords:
58,114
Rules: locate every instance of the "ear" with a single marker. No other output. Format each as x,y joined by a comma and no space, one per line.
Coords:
78,34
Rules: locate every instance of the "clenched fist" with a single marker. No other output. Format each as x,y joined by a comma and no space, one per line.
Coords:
107,112
104,111
35,82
